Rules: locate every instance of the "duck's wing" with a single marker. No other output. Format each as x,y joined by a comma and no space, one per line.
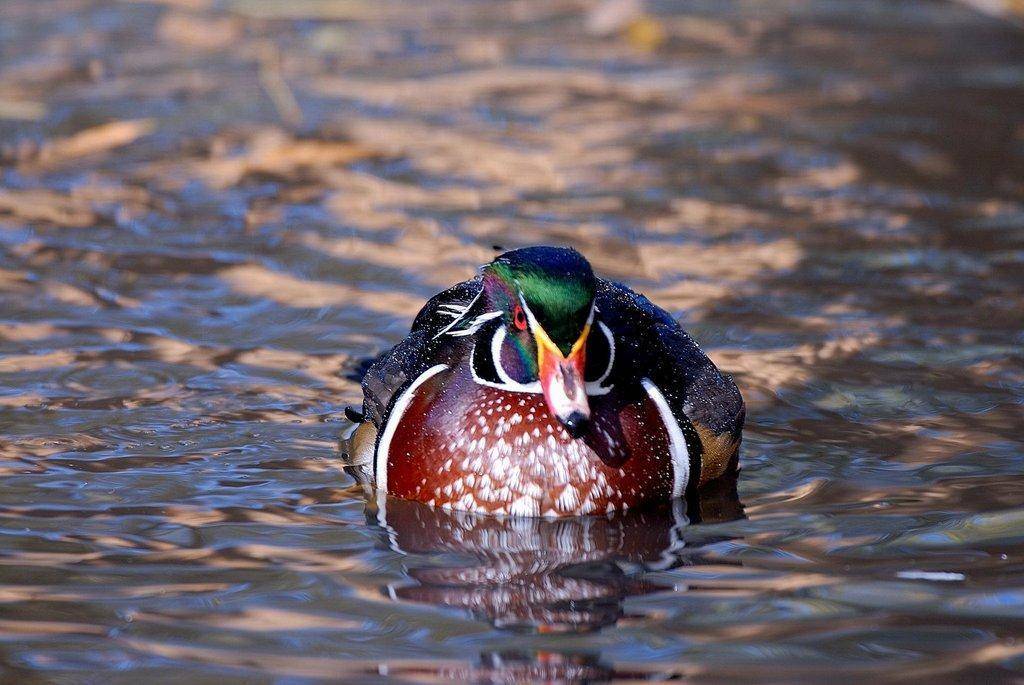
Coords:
451,306
700,396
386,377
424,347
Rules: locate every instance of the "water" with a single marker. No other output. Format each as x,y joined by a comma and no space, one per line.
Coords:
211,211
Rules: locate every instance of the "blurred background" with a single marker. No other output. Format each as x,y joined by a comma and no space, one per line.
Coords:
212,210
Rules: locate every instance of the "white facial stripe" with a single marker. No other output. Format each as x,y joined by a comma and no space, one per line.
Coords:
592,389
597,387
401,404
590,316
677,448
496,342
529,314
507,382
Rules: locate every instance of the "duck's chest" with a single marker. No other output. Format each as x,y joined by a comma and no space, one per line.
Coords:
466,446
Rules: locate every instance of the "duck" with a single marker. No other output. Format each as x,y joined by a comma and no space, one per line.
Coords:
539,389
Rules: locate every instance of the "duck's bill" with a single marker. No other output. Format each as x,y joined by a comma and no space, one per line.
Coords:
562,380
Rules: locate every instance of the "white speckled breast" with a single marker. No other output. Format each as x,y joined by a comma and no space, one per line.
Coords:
464,446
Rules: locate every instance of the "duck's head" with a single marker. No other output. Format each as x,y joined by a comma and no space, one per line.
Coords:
546,299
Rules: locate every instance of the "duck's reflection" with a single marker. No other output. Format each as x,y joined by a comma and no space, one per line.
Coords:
542,575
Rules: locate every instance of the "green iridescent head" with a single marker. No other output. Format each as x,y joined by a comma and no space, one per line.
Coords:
556,284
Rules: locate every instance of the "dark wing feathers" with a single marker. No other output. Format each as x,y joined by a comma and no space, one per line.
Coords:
692,384
435,317
393,371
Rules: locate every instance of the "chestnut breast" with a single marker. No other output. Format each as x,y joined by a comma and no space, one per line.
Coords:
466,446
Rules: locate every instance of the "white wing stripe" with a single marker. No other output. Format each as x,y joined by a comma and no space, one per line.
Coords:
476,324
459,318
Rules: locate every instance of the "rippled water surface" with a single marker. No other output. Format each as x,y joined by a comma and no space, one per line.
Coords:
211,211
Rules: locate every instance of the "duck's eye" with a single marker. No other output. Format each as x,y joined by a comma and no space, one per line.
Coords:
519,317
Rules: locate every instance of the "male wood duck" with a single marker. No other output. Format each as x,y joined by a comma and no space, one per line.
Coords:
539,389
